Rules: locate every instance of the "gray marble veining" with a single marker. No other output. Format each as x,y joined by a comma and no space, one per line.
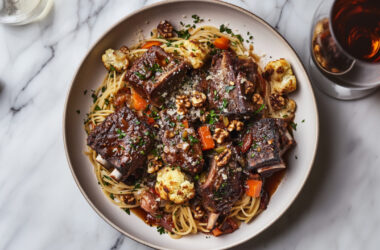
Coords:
40,205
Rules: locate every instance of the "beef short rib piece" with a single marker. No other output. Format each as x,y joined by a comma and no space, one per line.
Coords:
181,145
232,82
223,186
122,140
156,73
269,140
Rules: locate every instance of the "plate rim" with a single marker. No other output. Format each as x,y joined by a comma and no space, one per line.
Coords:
164,2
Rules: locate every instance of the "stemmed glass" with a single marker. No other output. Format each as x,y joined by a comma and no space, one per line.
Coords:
345,48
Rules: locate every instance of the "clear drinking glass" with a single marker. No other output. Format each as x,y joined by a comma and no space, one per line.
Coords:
345,48
18,12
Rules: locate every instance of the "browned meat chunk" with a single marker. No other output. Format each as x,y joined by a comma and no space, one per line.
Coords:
181,144
148,202
165,29
223,186
269,139
232,83
122,140
156,73
228,226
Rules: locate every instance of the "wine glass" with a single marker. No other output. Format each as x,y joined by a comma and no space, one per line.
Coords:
345,48
18,12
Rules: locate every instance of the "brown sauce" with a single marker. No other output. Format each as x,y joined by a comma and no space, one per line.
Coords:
271,183
139,212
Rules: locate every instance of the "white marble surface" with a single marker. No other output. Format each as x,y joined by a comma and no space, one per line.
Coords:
40,205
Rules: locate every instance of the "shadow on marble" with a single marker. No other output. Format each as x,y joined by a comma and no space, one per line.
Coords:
304,202
2,85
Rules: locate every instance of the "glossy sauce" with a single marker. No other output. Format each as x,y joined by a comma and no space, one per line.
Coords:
271,183
143,215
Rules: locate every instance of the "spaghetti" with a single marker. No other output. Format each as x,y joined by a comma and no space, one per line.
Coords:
128,196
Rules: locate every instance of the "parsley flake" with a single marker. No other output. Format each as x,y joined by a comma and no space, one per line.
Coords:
161,230
121,133
293,125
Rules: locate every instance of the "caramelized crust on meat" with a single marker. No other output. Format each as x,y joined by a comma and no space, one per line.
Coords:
181,145
232,83
122,140
156,73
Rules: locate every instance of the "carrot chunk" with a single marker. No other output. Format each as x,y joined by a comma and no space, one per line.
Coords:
222,42
138,102
254,188
206,138
149,44
216,232
185,124
150,119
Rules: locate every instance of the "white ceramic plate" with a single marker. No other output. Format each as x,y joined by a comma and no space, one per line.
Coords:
91,72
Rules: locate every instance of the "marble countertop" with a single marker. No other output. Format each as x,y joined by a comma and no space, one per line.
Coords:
42,208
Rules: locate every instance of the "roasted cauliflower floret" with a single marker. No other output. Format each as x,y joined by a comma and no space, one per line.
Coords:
116,59
174,185
197,52
280,76
286,112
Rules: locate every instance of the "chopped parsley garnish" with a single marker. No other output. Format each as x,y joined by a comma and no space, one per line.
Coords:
240,144
78,111
252,155
225,103
127,211
197,19
94,97
166,60
121,134
172,124
107,177
158,216
104,89
216,96
112,197
137,122
106,101
85,92
142,152
293,125
229,88
137,186
155,68
139,75
97,107
183,34
303,121
212,117
223,28
161,230
193,139
154,115
196,177
260,109
168,44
